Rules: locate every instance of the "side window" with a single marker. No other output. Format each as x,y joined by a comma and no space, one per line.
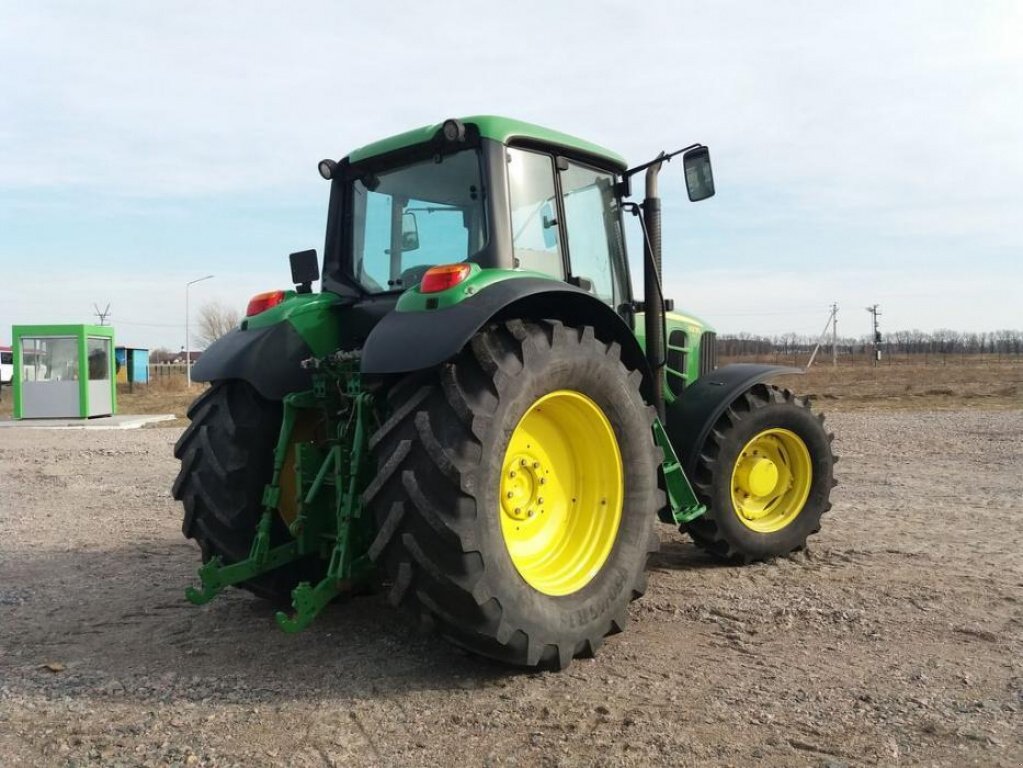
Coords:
592,229
534,217
374,259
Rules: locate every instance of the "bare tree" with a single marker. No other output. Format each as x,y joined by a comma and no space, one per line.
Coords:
214,321
161,355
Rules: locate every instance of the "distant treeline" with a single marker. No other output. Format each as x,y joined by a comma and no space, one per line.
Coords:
940,342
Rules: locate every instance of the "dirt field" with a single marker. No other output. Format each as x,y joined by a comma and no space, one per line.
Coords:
896,640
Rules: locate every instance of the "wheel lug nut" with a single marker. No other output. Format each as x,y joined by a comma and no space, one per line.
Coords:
511,494
539,500
536,465
523,463
543,480
530,513
512,473
518,510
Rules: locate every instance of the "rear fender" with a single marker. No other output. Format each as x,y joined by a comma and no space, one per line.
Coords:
403,342
691,417
269,358
268,349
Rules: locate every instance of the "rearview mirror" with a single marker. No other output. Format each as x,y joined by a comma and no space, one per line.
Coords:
305,270
699,176
409,232
550,222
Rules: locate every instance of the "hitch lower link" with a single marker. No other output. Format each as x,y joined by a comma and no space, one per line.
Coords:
330,476
683,506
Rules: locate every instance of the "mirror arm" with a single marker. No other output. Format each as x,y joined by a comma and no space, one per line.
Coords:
661,158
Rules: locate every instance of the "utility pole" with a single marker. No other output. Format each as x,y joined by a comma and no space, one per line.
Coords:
832,319
834,335
188,344
102,315
875,312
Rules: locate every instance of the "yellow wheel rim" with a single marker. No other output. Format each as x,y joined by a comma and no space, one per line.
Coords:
562,489
771,480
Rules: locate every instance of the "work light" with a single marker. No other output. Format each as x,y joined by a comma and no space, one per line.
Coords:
327,168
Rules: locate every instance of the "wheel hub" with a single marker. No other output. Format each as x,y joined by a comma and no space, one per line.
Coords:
757,476
521,485
771,480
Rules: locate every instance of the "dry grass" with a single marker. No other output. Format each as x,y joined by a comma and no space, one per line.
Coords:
966,383
164,394
911,386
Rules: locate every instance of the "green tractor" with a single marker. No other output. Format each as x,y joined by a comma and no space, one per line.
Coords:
476,414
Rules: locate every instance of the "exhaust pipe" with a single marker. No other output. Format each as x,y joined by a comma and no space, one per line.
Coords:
700,186
653,299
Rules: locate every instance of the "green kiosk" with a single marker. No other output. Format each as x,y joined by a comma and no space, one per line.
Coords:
63,371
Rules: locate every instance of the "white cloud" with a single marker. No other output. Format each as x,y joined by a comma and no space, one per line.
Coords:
861,122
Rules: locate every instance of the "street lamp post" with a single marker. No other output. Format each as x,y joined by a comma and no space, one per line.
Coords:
188,347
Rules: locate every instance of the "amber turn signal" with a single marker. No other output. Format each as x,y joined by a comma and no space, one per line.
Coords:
442,277
261,302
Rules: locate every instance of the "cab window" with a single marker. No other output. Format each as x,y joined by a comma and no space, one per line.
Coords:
407,219
593,230
536,241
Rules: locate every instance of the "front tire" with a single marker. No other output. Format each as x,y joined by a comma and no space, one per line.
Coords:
476,535
765,474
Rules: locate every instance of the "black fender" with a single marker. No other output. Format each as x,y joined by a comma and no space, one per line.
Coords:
269,358
403,342
690,418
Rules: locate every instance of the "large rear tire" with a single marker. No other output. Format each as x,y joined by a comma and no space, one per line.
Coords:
226,458
516,494
765,474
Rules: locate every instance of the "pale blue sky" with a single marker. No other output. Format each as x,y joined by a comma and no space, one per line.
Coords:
864,152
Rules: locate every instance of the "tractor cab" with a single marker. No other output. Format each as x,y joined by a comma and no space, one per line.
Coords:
498,193
426,210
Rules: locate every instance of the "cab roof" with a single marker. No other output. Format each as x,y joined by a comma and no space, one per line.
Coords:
501,129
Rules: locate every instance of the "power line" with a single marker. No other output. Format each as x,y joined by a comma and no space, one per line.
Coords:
801,313
150,325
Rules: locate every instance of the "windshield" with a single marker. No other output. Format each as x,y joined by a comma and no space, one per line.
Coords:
406,220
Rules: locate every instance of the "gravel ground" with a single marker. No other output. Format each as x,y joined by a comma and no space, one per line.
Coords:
897,639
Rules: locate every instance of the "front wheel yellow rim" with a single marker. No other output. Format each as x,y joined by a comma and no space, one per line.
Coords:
562,492
771,480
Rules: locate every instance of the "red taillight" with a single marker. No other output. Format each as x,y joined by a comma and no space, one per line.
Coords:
443,277
261,302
